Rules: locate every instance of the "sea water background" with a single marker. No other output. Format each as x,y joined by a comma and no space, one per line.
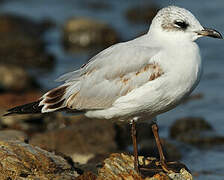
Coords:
211,106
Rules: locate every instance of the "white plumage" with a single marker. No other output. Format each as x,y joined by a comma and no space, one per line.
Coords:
139,78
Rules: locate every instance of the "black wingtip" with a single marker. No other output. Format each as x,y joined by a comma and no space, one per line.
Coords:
29,108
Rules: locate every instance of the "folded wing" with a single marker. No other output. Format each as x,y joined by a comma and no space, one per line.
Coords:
107,76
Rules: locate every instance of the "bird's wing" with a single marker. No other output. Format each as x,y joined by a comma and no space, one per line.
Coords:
109,75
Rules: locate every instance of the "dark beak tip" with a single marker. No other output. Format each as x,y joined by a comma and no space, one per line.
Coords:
218,35
211,33
221,37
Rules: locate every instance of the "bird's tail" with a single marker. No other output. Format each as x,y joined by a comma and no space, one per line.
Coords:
25,109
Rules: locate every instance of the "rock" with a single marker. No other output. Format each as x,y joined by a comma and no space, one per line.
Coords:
142,14
121,166
87,176
83,138
19,160
82,158
14,78
84,33
29,123
202,139
60,120
188,124
195,131
181,176
9,100
9,135
16,23
21,45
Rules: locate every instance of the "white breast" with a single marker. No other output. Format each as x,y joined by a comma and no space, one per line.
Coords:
181,75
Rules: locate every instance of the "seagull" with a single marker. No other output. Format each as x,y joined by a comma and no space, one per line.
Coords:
134,81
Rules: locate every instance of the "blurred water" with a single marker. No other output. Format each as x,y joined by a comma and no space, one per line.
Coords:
210,14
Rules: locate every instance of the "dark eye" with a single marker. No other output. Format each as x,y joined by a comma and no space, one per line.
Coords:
181,24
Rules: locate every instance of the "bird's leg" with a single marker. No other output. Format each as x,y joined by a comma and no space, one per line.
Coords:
155,130
135,146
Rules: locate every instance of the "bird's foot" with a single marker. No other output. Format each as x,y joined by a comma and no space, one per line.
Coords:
156,167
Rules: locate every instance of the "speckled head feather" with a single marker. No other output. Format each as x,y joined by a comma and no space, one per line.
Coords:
169,18
175,24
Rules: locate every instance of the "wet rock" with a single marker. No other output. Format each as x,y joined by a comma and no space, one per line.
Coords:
120,166
9,100
83,33
29,123
60,120
14,78
84,138
188,124
87,176
202,139
82,158
16,23
9,135
142,14
21,45
19,160
195,131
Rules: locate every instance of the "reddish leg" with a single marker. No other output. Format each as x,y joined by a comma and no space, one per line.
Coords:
155,130
135,146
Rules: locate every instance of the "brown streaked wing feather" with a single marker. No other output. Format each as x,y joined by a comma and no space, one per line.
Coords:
56,105
57,92
54,99
81,101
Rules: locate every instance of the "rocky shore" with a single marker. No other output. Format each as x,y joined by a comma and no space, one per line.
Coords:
20,160
59,146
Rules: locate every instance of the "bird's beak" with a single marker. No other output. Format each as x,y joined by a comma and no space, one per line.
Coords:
210,32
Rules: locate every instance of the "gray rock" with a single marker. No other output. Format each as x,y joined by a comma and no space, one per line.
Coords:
195,131
9,135
14,78
19,160
84,33
202,139
83,137
188,124
21,45
142,14
30,123
121,166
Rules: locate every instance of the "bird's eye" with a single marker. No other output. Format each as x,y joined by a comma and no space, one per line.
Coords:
181,24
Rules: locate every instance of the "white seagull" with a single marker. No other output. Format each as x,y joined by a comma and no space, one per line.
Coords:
135,80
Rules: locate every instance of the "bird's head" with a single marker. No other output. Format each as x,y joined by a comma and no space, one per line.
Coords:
178,23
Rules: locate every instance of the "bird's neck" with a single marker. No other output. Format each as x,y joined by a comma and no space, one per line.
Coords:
167,38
